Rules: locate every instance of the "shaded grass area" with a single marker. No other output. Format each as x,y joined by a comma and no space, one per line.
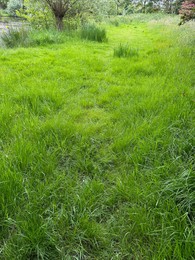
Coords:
93,33
25,37
92,146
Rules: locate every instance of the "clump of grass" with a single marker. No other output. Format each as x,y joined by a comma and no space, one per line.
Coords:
22,37
182,190
93,33
115,22
125,51
15,37
45,37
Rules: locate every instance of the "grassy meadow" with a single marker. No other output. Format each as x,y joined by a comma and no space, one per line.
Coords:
96,144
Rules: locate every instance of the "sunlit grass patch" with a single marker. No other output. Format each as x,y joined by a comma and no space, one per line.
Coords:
125,51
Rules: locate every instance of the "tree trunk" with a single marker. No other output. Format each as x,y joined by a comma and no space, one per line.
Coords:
59,23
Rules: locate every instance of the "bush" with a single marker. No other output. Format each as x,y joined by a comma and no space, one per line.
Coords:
187,11
93,33
15,38
3,13
13,6
72,23
37,14
125,51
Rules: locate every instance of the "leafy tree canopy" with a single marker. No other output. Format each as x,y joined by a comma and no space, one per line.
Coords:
187,11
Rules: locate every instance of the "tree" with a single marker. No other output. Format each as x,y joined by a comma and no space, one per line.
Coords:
70,8
37,13
102,7
187,11
41,13
177,6
62,8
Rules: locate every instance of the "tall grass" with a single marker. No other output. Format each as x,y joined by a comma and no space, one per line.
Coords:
93,33
14,37
97,152
25,37
125,51
182,189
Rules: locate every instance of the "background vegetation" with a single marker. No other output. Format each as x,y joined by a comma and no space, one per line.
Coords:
97,7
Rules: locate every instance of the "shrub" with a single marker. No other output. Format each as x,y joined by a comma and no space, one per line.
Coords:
125,51
72,23
13,6
93,33
15,37
187,11
37,14
3,13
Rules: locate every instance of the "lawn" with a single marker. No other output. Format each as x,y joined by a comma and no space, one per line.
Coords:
96,150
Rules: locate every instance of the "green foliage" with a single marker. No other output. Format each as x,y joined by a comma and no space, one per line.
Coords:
3,4
45,37
13,6
22,37
125,51
115,22
3,13
37,14
93,33
119,20
72,23
13,37
187,11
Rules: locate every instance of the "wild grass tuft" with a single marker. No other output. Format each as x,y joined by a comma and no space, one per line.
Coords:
22,37
116,22
182,189
13,37
125,51
93,33
45,37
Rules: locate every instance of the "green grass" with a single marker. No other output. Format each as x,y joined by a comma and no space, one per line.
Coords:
3,13
26,37
125,51
15,38
93,32
96,152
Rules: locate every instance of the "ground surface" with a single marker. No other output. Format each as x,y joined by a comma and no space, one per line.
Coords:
91,146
